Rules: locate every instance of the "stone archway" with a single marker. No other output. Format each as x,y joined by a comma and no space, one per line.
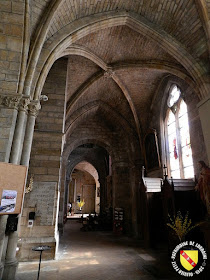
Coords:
95,160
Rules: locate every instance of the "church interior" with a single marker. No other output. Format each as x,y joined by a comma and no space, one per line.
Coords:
106,103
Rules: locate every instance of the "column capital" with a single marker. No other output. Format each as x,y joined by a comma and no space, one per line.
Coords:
23,104
34,107
10,101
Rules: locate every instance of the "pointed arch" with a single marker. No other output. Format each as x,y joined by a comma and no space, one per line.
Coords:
178,145
88,25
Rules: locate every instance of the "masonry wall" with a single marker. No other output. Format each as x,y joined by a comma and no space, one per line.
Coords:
45,166
7,126
124,185
11,34
11,41
85,187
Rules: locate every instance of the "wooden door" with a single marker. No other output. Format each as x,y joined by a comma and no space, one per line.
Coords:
89,197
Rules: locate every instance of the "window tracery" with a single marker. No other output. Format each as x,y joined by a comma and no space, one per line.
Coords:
179,152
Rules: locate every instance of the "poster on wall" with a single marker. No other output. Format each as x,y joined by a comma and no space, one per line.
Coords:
12,186
8,201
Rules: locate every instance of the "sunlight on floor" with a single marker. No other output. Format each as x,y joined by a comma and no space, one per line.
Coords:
147,257
95,256
81,255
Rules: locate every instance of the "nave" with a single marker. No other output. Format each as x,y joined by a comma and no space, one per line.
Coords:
99,255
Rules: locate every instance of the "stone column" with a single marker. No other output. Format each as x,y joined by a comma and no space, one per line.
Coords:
8,102
122,192
19,131
66,193
62,189
103,199
135,175
204,112
109,190
34,108
3,222
10,260
75,190
97,198
143,214
10,265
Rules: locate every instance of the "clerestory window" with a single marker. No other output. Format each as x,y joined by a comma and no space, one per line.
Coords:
179,152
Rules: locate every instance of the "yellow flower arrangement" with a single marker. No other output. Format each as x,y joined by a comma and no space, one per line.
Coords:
81,203
181,225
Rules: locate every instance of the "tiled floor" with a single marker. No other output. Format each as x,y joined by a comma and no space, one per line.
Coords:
99,256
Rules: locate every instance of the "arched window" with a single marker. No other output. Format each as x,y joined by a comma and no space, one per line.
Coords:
179,153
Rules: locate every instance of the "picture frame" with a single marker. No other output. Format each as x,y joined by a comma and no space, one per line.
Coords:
12,187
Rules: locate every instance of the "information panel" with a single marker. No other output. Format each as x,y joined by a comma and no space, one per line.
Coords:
12,185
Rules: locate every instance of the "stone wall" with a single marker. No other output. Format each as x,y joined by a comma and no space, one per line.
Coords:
42,201
204,112
124,180
85,186
11,34
7,126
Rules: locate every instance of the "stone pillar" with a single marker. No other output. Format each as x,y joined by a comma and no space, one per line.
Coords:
97,198
21,145
66,194
61,183
62,190
143,214
19,132
204,112
135,175
9,103
3,222
75,190
122,192
109,190
34,108
103,200
10,265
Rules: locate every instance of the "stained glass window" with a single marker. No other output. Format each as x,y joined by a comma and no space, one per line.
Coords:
187,160
178,136
172,146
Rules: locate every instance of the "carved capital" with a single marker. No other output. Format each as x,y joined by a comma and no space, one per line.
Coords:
11,101
23,105
34,108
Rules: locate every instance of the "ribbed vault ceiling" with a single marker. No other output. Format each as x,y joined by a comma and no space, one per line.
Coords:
117,68
178,18
126,52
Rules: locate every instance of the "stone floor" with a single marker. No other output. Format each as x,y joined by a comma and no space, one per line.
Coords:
101,256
